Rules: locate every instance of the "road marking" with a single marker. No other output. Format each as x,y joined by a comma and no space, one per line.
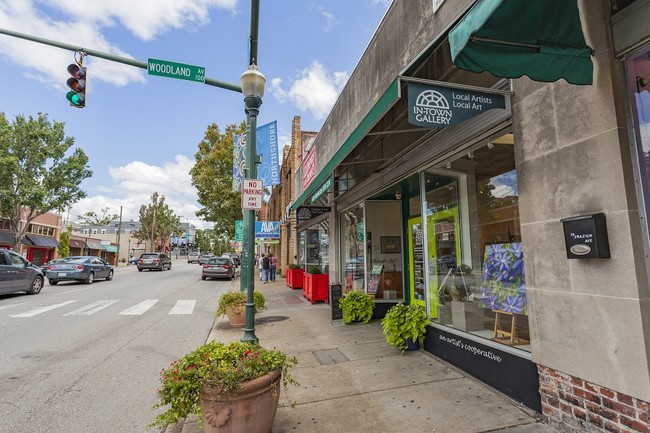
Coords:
183,306
12,305
42,310
92,308
140,308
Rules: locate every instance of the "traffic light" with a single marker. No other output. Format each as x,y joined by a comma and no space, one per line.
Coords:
77,82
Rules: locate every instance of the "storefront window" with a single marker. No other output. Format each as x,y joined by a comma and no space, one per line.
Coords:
638,68
314,245
353,245
475,259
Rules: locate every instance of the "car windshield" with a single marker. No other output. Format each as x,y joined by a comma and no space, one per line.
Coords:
76,259
149,256
219,261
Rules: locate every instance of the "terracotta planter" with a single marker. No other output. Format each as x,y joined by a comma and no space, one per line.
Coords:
237,320
250,410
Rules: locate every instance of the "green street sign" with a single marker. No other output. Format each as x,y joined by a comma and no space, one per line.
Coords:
239,230
181,71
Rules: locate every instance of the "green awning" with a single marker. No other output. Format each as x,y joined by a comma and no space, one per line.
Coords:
110,248
510,38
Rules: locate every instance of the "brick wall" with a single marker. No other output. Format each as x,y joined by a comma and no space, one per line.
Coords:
574,405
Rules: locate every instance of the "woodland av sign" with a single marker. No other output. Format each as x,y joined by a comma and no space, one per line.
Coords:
439,107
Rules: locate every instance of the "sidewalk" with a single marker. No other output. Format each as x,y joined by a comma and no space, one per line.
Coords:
352,381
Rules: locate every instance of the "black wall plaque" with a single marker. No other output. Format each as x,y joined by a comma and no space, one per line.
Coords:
336,293
305,213
585,237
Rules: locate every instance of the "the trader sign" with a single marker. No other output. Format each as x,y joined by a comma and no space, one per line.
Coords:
252,191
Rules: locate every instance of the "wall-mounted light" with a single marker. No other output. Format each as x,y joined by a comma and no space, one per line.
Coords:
641,82
470,154
398,195
490,145
448,165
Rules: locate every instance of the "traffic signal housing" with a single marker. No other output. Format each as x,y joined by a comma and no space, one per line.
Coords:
76,82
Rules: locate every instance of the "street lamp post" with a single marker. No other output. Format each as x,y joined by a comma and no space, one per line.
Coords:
252,84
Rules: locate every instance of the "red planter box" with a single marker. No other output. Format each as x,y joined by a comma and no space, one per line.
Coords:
294,278
315,287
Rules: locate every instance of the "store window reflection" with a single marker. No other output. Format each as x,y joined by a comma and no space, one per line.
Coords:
354,247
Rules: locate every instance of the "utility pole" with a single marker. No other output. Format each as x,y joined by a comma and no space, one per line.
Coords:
119,232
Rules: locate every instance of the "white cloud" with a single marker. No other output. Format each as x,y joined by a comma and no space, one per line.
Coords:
133,185
330,19
314,90
384,3
81,24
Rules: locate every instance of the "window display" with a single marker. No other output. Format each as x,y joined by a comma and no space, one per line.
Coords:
353,248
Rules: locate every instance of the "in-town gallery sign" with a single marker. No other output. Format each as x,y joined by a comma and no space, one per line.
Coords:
440,107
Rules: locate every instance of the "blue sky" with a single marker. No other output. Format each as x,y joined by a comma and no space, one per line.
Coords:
141,131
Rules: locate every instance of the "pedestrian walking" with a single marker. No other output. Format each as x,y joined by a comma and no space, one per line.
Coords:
266,265
259,265
273,264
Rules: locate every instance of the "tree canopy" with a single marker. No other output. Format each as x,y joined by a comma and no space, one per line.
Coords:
92,219
38,174
158,223
212,178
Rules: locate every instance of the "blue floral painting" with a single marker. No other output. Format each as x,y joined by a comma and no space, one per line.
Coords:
503,286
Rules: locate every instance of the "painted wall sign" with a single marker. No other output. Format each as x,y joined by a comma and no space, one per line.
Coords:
440,107
309,168
305,213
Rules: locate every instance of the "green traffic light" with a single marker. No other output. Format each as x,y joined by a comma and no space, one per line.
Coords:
74,98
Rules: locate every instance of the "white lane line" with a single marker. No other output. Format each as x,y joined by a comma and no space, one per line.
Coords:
42,310
92,308
183,306
140,308
12,305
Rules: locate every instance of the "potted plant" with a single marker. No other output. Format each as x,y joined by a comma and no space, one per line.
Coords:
404,326
233,305
357,306
224,383
294,276
315,284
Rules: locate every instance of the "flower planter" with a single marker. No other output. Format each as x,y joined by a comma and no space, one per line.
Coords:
294,278
412,345
315,287
252,409
236,319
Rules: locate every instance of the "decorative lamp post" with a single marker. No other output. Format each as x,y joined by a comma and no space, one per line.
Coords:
253,83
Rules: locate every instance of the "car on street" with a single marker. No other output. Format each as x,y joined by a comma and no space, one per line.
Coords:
218,267
18,274
193,257
154,261
51,262
204,258
79,268
234,257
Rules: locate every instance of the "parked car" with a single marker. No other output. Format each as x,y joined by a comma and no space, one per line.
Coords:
218,267
79,268
52,262
157,261
193,257
19,275
234,257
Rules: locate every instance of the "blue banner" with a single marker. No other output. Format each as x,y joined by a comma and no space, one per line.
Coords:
267,146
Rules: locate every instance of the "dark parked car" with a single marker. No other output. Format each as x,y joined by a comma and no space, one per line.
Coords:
234,257
203,259
218,267
52,262
18,274
79,268
158,261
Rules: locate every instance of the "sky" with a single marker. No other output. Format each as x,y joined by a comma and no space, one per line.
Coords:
141,131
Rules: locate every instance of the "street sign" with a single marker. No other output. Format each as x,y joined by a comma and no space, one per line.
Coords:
252,191
181,71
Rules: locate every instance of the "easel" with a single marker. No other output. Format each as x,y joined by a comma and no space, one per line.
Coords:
507,337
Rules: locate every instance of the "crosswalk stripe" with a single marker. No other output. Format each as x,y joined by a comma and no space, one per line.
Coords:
12,305
183,306
140,308
92,308
36,311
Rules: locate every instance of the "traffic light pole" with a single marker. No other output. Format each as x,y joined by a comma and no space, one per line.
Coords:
107,56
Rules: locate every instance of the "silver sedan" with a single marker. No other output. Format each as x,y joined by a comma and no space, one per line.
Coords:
218,267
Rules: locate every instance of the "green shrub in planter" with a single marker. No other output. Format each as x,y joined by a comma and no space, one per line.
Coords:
314,269
357,306
237,299
295,266
403,323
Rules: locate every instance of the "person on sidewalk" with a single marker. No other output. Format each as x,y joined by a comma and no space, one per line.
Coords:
259,265
273,264
266,265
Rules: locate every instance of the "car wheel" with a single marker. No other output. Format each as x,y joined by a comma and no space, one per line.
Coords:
52,282
139,269
110,276
36,287
90,279
203,278
170,267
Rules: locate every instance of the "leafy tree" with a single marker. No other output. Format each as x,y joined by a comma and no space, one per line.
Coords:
201,241
158,223
91,218
212,178
64,243
36,175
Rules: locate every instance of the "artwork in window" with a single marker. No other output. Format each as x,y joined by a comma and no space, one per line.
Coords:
503,286
390,244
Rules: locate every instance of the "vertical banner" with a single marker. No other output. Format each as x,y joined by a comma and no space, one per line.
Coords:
267,146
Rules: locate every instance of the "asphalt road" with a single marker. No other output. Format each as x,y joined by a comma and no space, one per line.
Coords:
80,358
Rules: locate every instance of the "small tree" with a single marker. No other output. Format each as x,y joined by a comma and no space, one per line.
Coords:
64,243
36,175
158,222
